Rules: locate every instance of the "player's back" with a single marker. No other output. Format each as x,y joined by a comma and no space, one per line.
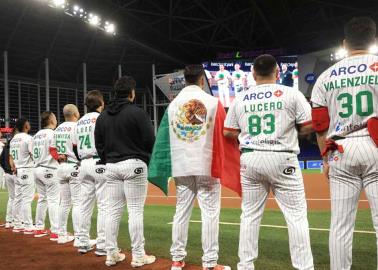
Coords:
20,148
267,115
64,140
42,141
350,91
85,135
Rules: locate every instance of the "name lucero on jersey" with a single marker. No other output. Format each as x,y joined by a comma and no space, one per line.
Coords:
351,82
84,129
266,106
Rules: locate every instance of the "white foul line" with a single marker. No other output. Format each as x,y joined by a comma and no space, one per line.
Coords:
278,227
238,198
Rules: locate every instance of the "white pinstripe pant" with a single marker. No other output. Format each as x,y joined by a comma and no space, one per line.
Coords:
350,172
126,182
10,180
48,197
207,191
26,179
260,173
69,187
93,184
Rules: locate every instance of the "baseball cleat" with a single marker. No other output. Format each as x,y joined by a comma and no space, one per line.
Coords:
100,252
146,259
18,230
53,237
29,231
76,243
85,249
115,258
40,233
177,265
8,225
218,267
65,239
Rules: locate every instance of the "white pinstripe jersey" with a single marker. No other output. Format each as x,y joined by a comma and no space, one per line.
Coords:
65,139
85,135
350,91
20,150
267,115
42,141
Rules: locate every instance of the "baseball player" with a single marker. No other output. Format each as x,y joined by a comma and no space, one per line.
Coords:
250,80
345,111
267,120
20,149
10,180
46,164
222,77
238,80
124,139
67,174
197,183
91,176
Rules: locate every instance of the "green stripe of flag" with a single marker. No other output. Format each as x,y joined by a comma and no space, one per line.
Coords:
160,167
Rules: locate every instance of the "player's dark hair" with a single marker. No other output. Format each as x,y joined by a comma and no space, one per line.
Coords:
124,86
45,117
193,73
20,124
94,100
360,33
264,65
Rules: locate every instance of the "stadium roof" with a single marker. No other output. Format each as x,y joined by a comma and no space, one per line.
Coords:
169,33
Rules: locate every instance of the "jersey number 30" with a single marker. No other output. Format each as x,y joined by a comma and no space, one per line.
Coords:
364,104
255,121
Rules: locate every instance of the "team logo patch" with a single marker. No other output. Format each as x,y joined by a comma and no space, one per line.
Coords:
74,174
100,170
278,93
289,171
49,175
138,170
374,67
24,177
190,122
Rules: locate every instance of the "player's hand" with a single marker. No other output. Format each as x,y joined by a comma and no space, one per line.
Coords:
14,170
62,158
326,169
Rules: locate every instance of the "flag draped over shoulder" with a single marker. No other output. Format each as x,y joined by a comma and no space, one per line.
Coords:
193,144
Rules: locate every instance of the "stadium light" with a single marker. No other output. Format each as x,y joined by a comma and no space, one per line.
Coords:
373,49
110,28
94,19
58,3
75,10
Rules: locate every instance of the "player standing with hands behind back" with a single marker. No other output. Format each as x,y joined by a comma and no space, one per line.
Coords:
124,139
345,110
267,131
67,174
91,175
20,150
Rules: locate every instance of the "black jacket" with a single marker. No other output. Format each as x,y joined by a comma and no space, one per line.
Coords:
4,160
124,131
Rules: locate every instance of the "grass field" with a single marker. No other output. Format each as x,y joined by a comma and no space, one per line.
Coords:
274,247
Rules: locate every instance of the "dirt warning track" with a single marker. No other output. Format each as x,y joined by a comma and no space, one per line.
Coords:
19,251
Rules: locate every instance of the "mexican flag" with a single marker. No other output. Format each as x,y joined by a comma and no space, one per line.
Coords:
190,142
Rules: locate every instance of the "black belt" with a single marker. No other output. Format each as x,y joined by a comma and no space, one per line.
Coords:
337,138
248,150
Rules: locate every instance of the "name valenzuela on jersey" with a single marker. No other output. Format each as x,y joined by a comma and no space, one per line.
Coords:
352,81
